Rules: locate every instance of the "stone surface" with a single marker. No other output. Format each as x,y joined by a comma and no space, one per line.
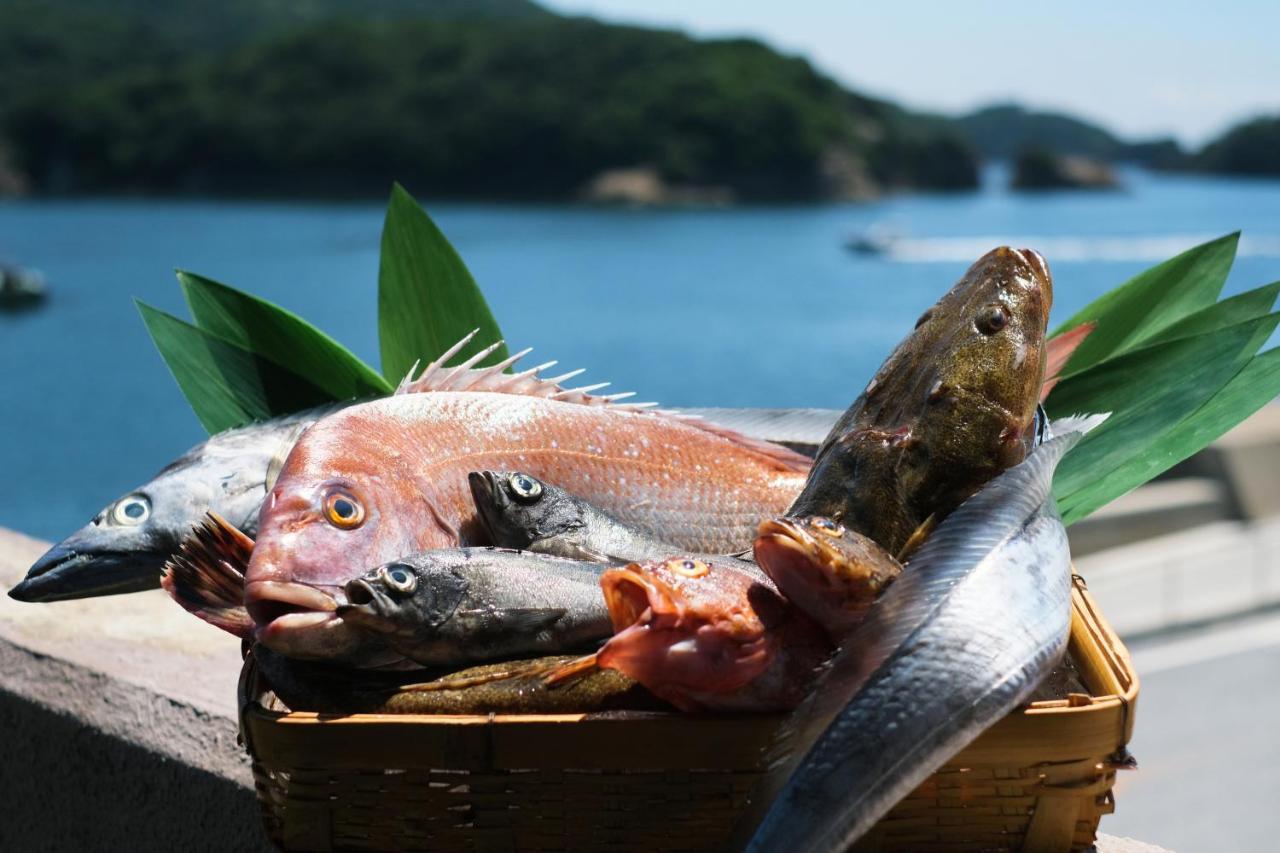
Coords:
119,721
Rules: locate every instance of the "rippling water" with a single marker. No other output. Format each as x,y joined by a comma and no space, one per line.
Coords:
749,307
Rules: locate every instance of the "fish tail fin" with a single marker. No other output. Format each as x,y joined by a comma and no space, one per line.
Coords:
206,575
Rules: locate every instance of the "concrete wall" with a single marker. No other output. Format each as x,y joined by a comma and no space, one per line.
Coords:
118,724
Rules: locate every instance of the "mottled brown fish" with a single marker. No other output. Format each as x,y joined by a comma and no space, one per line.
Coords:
827,570
709,637
511,687
386,478
951,407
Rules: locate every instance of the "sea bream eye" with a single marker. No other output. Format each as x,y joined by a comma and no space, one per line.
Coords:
131,509
343,511
399,578
525,488
992,319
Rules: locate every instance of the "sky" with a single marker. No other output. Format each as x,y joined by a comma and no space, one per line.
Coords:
1141,68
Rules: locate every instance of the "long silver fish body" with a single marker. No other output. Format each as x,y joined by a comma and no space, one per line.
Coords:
964,636
124,547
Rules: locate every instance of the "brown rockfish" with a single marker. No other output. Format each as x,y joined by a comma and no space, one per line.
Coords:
952,406
827,570
709,636
386,478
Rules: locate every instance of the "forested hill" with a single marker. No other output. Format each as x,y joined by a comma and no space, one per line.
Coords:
1002,131
482,98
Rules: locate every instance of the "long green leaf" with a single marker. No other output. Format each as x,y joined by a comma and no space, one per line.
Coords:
1151,301
280,336
427,300
1148,392
226,385
1255,385
1221,315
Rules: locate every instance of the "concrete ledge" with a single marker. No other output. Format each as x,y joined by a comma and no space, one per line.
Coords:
119,722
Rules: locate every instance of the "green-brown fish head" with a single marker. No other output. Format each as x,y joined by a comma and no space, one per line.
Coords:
953,405
982,353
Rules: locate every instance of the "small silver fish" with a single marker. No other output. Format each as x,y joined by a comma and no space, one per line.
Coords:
963,637
521,511
468,605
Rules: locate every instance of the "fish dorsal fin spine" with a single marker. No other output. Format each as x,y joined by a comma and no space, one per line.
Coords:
466,377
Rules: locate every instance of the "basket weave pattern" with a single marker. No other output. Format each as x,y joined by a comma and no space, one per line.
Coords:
1040,779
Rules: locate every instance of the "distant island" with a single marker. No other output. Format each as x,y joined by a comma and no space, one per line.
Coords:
486,99
497,99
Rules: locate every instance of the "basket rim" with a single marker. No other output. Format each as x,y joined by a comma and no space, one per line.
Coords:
1097,725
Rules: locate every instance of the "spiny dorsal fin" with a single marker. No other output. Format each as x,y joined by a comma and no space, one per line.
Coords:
530,383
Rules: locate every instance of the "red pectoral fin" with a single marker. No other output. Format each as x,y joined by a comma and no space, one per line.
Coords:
1058,352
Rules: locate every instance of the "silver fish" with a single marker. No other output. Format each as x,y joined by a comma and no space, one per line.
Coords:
125,546
521,511
468,605
965,635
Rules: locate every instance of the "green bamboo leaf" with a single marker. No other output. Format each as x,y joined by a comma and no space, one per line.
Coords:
1148,392
279,336
427,300
226,385
1255,385
1221,315
1151,301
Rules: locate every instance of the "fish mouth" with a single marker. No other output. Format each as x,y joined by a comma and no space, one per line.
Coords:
630,596
63,573
490,498
363,606
281,607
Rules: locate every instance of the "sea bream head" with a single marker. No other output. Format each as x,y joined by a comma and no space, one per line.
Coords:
952,406
346,500
125,546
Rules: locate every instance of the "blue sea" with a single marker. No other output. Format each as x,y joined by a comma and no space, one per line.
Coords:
758,306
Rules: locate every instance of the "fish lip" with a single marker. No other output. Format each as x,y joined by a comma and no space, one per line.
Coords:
289,592
486,494
790,534
54,576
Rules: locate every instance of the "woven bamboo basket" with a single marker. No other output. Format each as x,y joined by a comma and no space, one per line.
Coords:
1039,780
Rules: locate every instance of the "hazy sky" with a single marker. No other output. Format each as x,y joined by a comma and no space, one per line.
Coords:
1140,67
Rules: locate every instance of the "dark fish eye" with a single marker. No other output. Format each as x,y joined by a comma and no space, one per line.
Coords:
525,488
131,509
992,319
343,511
400,578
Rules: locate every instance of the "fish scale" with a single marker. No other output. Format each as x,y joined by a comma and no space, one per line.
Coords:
405,460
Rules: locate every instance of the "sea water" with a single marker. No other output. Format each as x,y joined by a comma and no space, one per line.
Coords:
753,306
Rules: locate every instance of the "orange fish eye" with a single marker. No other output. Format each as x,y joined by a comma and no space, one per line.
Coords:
827,526
343,511
689,568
